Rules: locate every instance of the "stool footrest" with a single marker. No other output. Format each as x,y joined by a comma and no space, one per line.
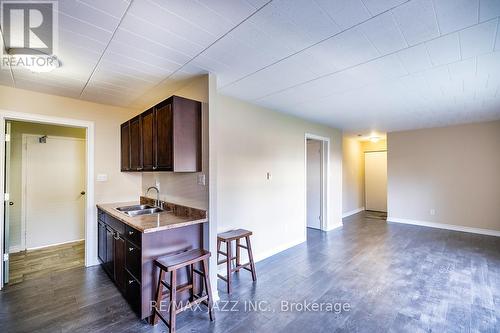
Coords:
180,288
242,246
222,277
244,266
223,253
197,271
190,304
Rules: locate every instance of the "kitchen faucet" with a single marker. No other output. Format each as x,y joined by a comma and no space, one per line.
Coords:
157,201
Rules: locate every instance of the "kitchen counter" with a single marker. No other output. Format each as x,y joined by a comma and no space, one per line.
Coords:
174,216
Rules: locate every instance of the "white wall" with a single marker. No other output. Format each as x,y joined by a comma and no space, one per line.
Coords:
250,141
453,170
17,130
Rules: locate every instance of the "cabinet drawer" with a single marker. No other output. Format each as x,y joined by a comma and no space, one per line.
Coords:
115,224
133,260
133,235
133,292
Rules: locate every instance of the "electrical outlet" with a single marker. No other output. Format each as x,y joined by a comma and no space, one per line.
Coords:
269,176
432,212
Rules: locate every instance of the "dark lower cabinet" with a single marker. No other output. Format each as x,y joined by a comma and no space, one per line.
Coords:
127,256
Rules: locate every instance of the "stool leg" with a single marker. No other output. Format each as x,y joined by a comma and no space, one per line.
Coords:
250,257
238,261
229,251
173,300
159,296
218,248
206,279
192,291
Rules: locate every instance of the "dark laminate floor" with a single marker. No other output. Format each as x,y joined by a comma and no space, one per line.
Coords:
395,278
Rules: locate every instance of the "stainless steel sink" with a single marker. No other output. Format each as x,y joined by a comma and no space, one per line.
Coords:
139,210
134,207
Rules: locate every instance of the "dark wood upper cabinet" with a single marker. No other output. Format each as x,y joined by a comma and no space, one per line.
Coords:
135,144
125,146
148,140
166,137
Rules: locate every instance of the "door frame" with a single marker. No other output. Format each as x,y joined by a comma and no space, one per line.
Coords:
24,200
325,180
90,209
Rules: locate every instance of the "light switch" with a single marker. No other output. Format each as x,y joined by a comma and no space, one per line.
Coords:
201,179
268,176
102,177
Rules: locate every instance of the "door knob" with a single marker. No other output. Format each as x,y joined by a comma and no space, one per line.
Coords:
82,192
11,203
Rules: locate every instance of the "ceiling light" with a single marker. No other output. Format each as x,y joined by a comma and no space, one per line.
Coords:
33,60
374,139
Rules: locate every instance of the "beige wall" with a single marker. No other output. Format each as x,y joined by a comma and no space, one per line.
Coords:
17,131
352,176
107,119
251,141
453,170
183,188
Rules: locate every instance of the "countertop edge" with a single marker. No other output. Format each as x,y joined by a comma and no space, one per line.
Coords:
123,219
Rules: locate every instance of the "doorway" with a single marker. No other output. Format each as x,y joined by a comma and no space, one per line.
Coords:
376,181
316,176
45,181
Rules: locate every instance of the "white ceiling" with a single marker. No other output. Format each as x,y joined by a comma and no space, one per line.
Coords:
352,64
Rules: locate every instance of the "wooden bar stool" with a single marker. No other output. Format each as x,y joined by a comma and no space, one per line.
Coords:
172,263
227,237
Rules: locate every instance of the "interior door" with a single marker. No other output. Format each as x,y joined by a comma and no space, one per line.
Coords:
7,203
54,190
376,181
314,184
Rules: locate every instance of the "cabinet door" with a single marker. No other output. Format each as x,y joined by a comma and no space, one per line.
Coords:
125,147
148,140
164,132
120,278
101,242
109,263
135,144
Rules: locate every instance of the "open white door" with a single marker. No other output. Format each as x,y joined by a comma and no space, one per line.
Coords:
314,184
54,185
376,181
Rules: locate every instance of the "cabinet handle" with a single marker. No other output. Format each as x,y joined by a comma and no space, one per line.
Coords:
130,249
116,236
154,168
130,281
130,232
139,169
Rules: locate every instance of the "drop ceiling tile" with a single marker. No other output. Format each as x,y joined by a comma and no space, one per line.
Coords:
453,15
346,13
478,39
384,33
489,64
80,11
151,45
307,15
417,21
444,50
81,27
463,70
177,43
488,9
415,58
378,6
157,13
115,8
349,48
231,11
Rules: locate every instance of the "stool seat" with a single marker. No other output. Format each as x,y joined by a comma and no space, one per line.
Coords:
233,234
172,262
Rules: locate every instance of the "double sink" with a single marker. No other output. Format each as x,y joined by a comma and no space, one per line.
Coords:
137,210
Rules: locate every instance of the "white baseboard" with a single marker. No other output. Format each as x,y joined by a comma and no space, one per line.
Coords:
445,226
333,227
278,249
15,249
352,212
56,244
